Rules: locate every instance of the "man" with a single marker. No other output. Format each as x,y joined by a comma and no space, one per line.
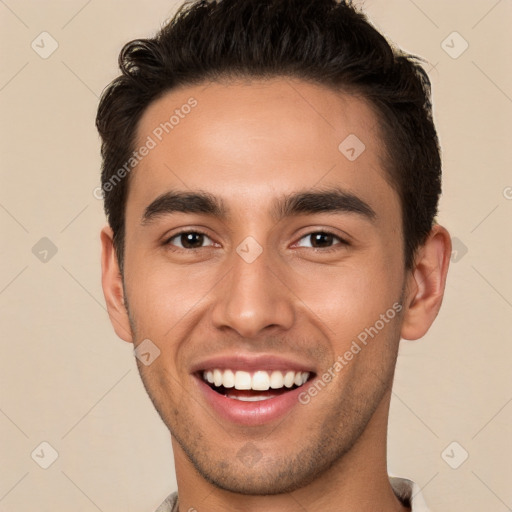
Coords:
271,174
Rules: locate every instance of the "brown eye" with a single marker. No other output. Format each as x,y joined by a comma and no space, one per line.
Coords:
320,240
189,240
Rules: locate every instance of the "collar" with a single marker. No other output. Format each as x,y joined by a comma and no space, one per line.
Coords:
409,492
406,490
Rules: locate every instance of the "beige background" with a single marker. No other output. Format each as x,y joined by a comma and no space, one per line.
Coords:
67,380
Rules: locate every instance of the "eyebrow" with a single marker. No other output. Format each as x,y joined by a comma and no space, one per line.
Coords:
332,200
184,202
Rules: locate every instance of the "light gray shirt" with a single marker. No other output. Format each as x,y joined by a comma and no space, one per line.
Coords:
406,490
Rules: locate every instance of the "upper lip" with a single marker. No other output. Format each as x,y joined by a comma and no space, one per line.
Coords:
251,363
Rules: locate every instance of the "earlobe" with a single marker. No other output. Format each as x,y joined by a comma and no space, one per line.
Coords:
426,284
113,288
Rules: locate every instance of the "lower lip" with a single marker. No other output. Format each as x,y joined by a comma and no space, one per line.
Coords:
250,413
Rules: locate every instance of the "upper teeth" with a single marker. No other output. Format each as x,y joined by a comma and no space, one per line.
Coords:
259,380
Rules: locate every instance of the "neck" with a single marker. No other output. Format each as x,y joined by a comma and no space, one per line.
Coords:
357,481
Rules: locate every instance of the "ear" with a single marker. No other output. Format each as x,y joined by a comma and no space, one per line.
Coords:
426,284
113,289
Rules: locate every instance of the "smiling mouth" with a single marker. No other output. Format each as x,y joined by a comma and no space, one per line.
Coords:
254,386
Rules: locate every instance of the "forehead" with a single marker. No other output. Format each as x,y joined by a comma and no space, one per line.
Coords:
246,140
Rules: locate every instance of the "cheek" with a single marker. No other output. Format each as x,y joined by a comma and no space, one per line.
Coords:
162,297
348,298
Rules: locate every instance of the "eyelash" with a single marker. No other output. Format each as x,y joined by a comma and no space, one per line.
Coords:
342,241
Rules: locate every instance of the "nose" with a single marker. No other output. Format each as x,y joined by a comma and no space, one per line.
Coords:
252,297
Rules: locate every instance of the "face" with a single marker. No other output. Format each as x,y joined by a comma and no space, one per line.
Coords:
257,241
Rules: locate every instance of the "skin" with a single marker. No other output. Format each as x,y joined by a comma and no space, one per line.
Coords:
249,144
